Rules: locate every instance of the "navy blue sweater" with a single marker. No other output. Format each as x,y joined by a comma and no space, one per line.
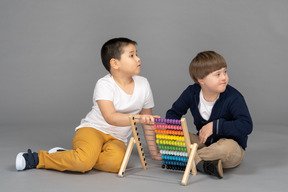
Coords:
230,114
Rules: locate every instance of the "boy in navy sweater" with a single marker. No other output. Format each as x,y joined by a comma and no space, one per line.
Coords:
220,115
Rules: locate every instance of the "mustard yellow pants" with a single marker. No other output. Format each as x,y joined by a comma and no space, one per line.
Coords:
91,149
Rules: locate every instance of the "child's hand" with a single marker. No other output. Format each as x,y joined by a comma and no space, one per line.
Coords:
146,119
205,132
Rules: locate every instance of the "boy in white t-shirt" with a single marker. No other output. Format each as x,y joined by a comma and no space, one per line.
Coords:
100,140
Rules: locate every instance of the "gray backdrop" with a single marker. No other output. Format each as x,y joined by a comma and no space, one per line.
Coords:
50,61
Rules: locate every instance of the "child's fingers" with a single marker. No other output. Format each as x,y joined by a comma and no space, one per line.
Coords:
202,137
146,119
150,120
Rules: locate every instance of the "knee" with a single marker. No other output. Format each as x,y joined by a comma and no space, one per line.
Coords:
84,165
228,147
84,162
114,164
111,163
113,167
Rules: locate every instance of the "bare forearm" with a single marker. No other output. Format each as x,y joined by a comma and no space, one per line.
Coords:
118,119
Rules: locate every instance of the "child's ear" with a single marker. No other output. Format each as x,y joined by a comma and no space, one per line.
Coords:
114,63
200,81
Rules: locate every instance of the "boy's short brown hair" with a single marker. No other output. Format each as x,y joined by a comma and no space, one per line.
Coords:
205,63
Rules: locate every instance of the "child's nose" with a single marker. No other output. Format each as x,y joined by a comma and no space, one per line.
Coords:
138,59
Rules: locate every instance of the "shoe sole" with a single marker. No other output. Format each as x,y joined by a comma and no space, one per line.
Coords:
20,162
220,168
55,149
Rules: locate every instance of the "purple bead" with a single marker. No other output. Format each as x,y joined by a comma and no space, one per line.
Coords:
167,121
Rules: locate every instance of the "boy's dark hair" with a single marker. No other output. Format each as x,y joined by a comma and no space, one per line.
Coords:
205,63
114,49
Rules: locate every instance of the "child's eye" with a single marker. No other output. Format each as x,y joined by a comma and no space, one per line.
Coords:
131,55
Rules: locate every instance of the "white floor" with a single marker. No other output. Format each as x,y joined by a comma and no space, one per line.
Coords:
264,168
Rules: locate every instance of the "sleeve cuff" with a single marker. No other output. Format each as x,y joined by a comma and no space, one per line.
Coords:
216,127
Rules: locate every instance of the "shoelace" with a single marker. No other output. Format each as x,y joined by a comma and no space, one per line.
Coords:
31,159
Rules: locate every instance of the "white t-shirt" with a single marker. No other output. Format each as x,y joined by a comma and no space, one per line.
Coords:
107,89
205,107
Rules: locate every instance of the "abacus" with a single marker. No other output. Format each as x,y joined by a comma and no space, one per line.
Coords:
172,138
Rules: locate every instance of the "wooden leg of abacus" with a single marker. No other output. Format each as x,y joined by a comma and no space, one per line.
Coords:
137,142
190,164
133,140
194,148
126,157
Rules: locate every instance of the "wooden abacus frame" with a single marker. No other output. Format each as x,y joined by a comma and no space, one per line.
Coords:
191,149
133,140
